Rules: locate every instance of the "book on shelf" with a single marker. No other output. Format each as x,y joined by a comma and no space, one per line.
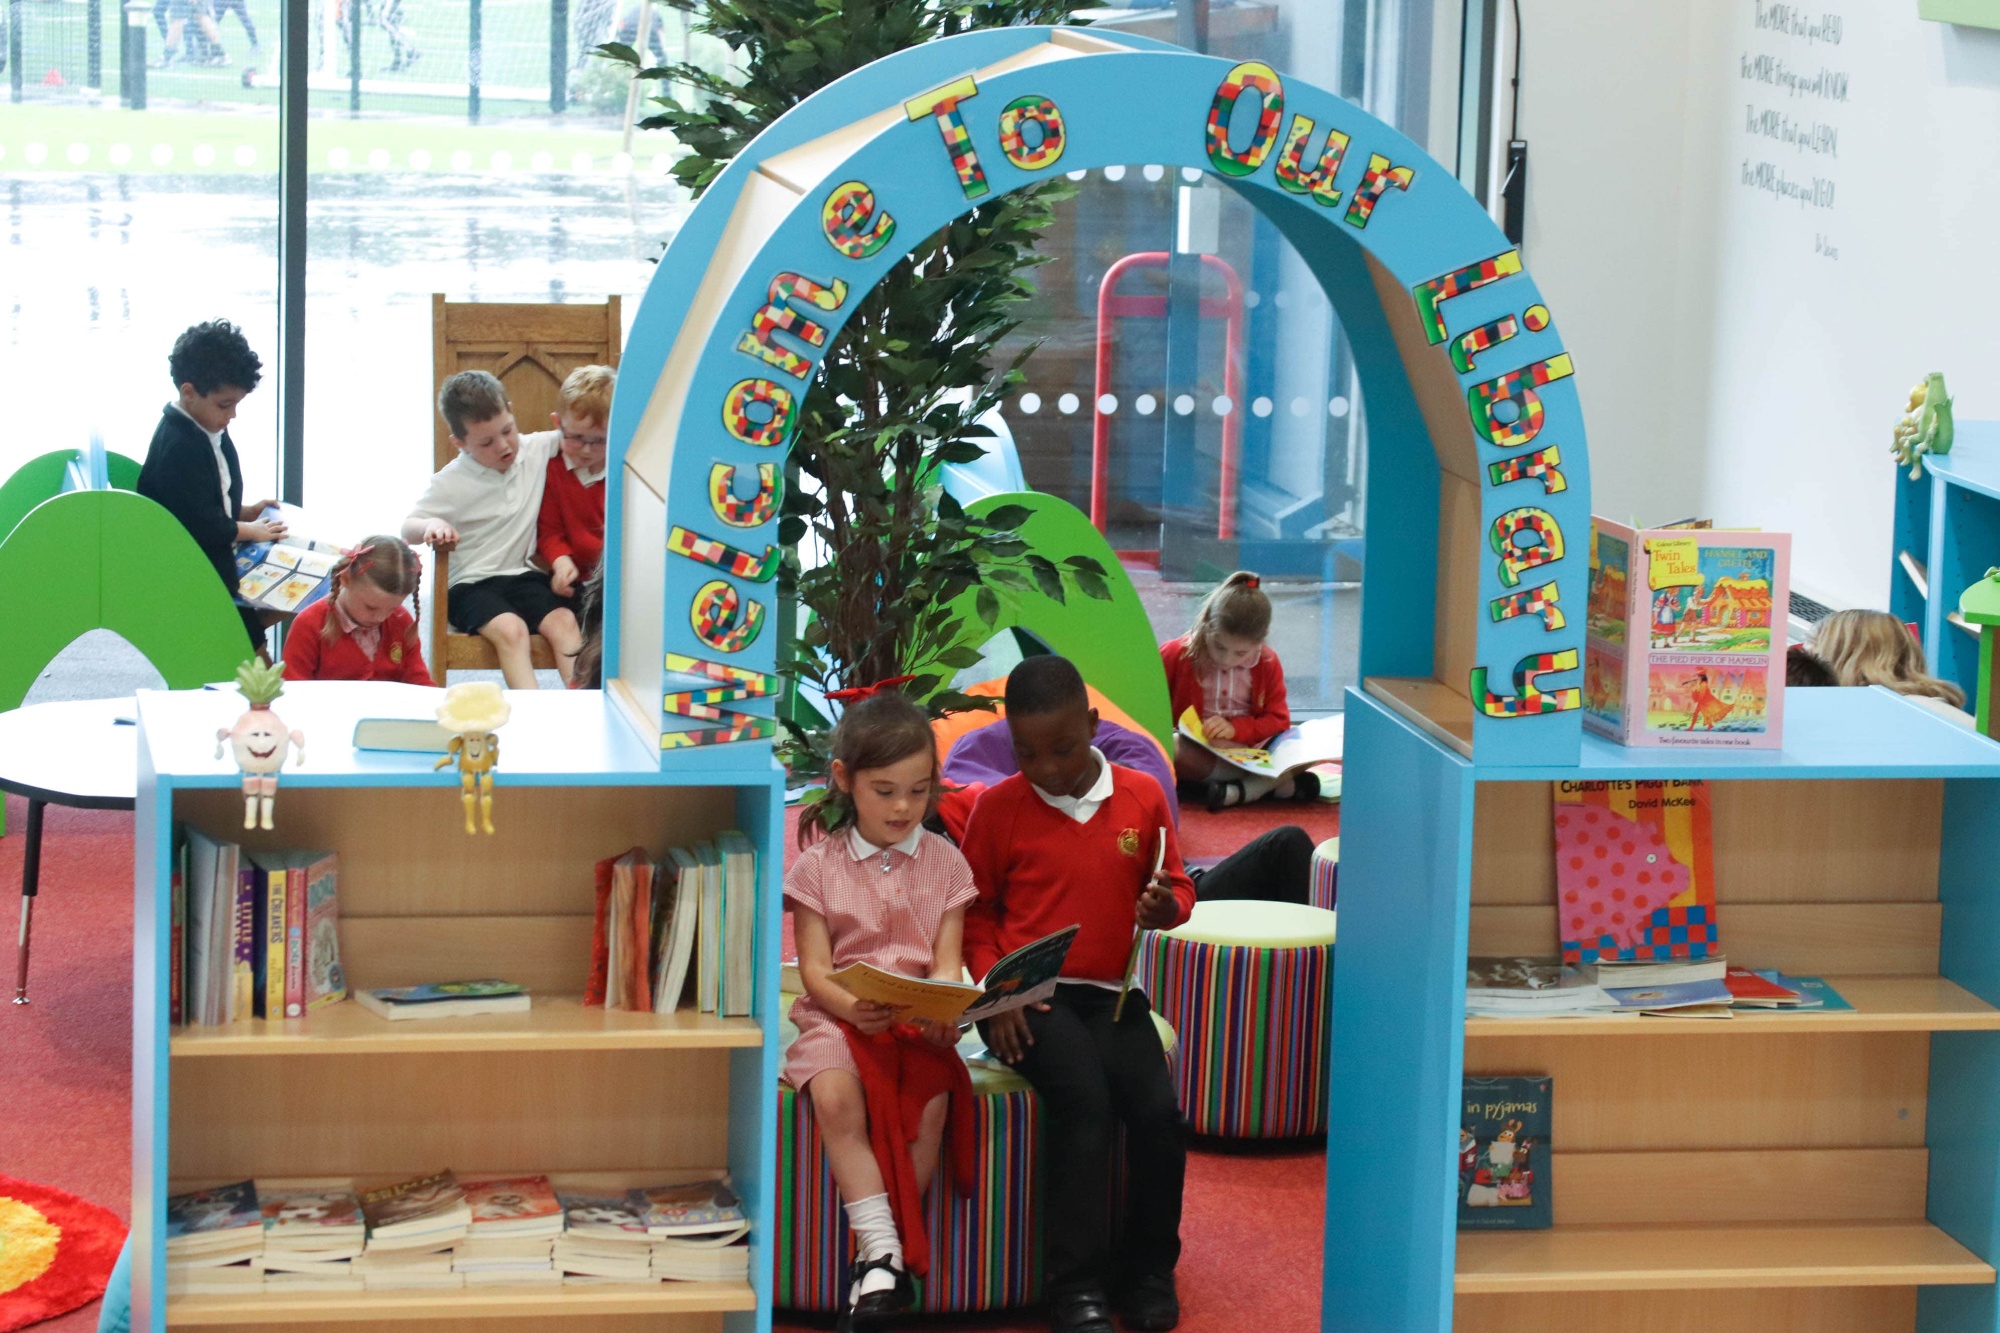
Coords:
701,1263
1748,990
1671,998
602,1217
697,1208
1684,636
1635,872
224,1220
690,916
739,923
1504,1180
244,945
259,936
1026,976
1627,975
523,1208
681,875
1529,988
224,1280
1813,992
177,943
425,1213
268,899
315,1221
445,999
708,943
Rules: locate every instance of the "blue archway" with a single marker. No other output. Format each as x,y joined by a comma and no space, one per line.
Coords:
1478,504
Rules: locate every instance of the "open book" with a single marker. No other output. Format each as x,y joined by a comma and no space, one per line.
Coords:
1319,741
1023,977
286,575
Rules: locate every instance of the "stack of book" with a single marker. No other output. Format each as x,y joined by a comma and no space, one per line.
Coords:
604,1239
255,934
515,1223
313,1231
697,1232
215,1241
413,1227
1529,988
660,924
1685,988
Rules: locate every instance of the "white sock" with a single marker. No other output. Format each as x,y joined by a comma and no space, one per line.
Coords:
875,1235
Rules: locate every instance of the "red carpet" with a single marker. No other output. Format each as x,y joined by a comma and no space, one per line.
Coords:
56,1252
66,1118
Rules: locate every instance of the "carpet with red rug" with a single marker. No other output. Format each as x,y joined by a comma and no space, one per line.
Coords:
56,1252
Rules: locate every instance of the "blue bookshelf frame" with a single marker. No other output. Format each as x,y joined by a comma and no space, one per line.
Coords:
1949,520
567,739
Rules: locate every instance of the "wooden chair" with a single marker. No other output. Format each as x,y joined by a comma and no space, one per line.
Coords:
530,349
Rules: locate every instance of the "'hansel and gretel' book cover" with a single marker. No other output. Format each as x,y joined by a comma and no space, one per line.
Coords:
1503,1154
1685,642
1635,871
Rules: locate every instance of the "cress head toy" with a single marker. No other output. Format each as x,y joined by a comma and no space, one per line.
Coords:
472,712
1926,427
260,740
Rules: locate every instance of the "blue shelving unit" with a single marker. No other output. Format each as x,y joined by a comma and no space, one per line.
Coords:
1794,1171
1948,527
601,1098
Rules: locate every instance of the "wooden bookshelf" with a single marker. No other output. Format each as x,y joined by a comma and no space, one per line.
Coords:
583,1093
1824,1171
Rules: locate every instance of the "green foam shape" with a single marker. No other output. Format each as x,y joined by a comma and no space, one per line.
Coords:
1111,642
41,478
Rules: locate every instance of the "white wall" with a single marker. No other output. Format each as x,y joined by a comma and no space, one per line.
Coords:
1745,355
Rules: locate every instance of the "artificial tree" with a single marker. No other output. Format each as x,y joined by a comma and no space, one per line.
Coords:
902,389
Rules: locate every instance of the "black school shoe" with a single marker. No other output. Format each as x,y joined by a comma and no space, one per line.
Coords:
1149,1305
1080,1312
876,1310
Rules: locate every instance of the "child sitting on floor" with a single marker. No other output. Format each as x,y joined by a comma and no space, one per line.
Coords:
1072,839
191,468
1223,669
361,631
879,889
483,506
570,531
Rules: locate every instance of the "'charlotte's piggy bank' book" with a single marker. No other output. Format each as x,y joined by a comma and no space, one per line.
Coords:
1503,1155
1685,636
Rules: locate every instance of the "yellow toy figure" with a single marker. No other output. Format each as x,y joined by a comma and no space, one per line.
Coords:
472,712
259,739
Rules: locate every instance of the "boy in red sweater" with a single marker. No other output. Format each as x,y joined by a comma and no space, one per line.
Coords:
569,533
1071,840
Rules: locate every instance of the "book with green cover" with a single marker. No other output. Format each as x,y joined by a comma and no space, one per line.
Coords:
1503,1154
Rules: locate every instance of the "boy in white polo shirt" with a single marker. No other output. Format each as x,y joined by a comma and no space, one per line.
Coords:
482,507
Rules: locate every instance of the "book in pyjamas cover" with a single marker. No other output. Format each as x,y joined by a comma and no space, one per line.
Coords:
1503,1154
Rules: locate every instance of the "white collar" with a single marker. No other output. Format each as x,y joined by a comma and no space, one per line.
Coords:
583,478
861,849
214,436
1099,793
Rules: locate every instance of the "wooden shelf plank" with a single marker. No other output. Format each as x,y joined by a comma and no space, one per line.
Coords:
521,1302
555,1023
1881,1004
1643,1258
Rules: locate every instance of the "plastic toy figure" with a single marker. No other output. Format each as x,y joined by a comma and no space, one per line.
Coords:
1926,427
472,713
259,740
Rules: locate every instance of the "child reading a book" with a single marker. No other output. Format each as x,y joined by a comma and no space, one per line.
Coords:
483,506
1223,669
569,534
1073,839
874,886
362,631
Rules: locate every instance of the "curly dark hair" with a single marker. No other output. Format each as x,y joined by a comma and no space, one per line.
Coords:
212,355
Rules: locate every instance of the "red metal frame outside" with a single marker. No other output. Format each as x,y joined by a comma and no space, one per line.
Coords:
1228,307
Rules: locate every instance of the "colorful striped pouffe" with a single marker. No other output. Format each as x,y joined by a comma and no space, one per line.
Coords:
1325,874
986,1249
1249,985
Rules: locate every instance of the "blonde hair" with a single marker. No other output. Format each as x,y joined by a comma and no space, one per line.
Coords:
1875,648
586,394
1238,608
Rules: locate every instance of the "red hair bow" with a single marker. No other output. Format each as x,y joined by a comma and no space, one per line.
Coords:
860,692
1252,581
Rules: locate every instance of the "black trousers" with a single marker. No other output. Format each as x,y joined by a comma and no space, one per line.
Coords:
1274,866
1092,1076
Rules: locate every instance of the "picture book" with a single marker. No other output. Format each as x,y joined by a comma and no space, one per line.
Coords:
1685,641
1748,990
1679,995
649,924
520,1206
414,1206
286,575
1635,872
1518,987
1503,1154
445,999
601,1216
1023,977
1318,741
1813,992
325,982
677,941
210,1212
699,1208
319,1213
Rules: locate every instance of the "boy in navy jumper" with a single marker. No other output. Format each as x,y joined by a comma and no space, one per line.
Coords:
1072,840
191,468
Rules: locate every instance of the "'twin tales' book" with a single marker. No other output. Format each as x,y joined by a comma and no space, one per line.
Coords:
1685,641
1635,872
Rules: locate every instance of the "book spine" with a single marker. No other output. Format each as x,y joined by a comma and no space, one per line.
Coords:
177,962
295,942
325,982
243,953
275,936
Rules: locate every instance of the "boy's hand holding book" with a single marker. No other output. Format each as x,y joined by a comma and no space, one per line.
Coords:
1009,1036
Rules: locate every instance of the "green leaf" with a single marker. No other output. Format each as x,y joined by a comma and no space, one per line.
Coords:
1006,518
1046,577
961,658
987,603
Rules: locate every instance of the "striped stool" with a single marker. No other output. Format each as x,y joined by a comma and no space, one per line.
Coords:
986,1248
1325,874
1250,984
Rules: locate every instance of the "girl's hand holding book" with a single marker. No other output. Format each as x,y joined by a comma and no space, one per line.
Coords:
869,1016
938,1034
1218,728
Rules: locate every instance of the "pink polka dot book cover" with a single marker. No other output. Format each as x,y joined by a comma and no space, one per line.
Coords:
1635,873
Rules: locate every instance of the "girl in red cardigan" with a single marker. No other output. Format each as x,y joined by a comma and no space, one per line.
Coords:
1223,669
362,631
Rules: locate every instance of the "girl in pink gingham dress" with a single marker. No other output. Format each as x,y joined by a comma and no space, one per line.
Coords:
876,888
